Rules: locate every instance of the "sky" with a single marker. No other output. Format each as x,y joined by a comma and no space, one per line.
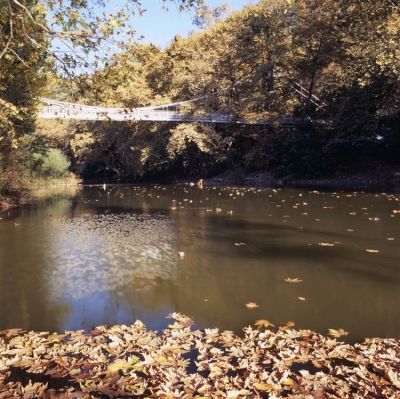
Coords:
160,27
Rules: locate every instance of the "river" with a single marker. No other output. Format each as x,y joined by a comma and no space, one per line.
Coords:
85,256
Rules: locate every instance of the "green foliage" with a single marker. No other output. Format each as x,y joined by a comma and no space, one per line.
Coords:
54,164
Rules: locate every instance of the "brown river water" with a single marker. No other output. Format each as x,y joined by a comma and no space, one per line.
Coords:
85,256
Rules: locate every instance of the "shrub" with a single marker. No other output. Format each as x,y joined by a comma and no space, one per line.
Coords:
55,164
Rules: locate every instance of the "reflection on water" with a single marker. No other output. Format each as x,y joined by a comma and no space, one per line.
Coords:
91,256
95,253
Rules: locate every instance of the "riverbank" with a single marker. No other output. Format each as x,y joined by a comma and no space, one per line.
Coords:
385,179
389,177
29,196
131,361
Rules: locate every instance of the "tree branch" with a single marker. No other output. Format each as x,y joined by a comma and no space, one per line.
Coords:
7,46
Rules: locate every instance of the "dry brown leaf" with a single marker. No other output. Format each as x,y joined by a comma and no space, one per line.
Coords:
293,280
337,333
267,387
287,325
263,323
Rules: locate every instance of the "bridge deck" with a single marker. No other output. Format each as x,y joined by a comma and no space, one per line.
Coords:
61,110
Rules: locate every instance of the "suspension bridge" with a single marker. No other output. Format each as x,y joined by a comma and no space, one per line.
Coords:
53,109
174,112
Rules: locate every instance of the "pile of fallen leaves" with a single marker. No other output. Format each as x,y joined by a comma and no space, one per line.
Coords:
130,361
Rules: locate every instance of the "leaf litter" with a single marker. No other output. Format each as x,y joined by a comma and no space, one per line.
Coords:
130,361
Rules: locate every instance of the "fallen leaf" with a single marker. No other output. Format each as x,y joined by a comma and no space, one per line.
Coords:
263,323
252,305
326,244
121,364
267,387
293,280
12,332
372,250
289,324
301,298
337,333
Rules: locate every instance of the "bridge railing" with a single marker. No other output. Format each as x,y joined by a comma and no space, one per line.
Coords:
59,110
55,111
174,115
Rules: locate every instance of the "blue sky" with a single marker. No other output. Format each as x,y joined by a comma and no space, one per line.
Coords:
160,27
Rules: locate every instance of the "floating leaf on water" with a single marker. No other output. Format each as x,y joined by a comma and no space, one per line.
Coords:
252,305
373,219
293,280
337,333
353,213
287,325
263,323
240,244
12,332
372,250
390,239
301,298
326,244
350,230
181,255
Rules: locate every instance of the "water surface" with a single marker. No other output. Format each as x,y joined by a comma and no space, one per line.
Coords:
86,256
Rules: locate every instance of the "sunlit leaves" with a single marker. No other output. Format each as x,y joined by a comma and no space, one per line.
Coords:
121,364
293,280
287,325
337,333
225,366
252,305
263,323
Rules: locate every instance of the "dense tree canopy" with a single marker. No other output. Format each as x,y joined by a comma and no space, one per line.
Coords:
332,65
310,59
39,39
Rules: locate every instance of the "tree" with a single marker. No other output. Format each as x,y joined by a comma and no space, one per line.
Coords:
22,77
76,28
